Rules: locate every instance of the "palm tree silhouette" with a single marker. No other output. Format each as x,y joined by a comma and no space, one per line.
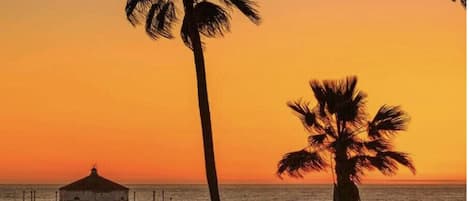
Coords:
200,17
341,138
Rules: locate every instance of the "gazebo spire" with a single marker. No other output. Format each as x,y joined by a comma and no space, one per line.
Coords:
94,171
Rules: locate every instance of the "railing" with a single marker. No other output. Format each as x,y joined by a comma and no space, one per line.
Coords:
30,195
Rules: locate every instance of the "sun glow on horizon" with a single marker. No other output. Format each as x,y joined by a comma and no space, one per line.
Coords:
81,86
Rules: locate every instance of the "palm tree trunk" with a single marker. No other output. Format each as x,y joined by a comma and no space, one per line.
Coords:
204,109
345,190
340,157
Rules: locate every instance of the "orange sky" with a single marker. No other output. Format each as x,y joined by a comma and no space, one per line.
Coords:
79,85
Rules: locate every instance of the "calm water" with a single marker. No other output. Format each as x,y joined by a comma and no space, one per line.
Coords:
259,192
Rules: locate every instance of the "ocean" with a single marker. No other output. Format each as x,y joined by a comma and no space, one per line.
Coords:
394,192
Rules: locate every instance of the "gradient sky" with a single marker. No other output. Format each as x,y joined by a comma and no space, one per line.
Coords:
79,85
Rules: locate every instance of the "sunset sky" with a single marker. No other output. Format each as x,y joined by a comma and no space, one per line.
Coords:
80,86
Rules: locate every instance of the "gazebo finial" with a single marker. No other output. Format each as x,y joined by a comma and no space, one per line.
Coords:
94,170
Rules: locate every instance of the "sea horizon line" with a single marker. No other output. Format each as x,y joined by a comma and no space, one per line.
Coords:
374,182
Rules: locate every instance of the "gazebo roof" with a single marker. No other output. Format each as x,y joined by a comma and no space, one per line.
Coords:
94,183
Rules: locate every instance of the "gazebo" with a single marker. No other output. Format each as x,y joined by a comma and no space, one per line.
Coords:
94,188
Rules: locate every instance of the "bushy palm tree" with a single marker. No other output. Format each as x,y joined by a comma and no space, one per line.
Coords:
341,137
199,17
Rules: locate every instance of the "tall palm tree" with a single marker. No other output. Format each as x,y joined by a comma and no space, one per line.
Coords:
199,17
341,138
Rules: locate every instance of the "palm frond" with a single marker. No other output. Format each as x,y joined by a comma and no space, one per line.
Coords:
299,107
340,97
349,143
212,20
185,31
332,95
330,131
378,145
166,19
349,87
355,167
304,113
345,100
247,7
353,110
319,139
383,164
299,162
136,10
387,162
463,2
387,120
320,95
401,158
152,21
